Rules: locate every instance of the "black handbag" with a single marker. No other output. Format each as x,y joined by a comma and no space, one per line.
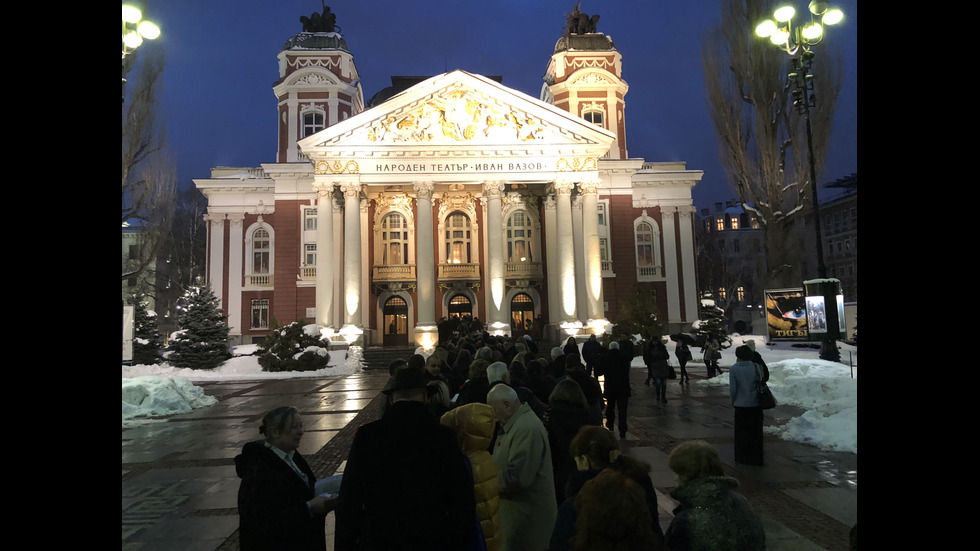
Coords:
766,399
672,374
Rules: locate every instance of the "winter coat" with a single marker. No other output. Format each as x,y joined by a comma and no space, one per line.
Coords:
564,421
561,536
272,498
474,390
712,515
683,353
616,369
742,387
709,348
656,357
757,359
474,426
527,488
591,350
406,485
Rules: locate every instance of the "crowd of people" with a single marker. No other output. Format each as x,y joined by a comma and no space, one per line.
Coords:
496,444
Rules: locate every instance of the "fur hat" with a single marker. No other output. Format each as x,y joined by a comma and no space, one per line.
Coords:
751,344
407,378
743,353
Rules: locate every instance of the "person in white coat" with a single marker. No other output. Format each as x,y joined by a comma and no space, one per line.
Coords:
528,506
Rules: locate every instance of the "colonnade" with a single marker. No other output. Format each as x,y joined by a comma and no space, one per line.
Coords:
577,293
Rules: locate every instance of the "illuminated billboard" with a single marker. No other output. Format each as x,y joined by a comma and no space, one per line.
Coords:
786,315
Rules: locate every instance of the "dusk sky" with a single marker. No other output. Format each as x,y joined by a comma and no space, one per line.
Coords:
219,108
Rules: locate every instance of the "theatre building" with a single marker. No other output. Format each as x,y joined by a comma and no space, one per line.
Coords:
456,196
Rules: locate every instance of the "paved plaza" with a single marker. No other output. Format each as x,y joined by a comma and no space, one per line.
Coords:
180,487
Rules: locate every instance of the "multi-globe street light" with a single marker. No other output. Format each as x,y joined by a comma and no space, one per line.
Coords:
797,41
134,30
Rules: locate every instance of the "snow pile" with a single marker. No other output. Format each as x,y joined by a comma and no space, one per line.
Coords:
152,395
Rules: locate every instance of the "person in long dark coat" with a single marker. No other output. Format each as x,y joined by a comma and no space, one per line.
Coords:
591,350
406,484
616,369
656,357
569,412
277,508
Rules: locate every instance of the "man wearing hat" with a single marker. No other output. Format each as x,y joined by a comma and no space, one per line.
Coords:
743,388
406,484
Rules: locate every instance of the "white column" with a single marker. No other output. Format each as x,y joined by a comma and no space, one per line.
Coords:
216,253
566,251
324,254
365,272
685,217
492,192
352,254
426,333
593,261
581,298
236,240
551,255
337,204
671,273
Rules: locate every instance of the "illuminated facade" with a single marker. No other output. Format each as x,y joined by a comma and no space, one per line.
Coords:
457,196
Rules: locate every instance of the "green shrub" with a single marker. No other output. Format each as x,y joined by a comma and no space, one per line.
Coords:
295,347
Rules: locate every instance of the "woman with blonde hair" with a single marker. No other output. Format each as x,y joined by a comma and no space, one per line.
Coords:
711,514
594,450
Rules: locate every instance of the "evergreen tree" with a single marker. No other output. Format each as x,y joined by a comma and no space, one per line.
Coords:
202,340
639,316
294,348
712,322
147,341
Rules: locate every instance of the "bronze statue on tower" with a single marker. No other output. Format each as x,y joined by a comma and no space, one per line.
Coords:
578,22
320,23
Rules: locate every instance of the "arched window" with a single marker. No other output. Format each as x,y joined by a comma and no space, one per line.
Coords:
458,246
261,247
313,122
644,244
460,307
521,313
394,239
646,236
519,237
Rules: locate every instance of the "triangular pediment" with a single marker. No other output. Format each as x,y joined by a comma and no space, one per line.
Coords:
460,111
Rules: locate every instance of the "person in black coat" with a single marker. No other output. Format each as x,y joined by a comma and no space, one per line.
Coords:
277,508
569,412
657,358
406,485
591,350
616,369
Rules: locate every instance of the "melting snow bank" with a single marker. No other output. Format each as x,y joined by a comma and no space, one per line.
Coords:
153,395
828,393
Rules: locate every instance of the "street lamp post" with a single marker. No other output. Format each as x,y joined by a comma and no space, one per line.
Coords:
797,41
134,30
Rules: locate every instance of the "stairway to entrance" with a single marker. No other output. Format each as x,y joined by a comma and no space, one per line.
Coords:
379,358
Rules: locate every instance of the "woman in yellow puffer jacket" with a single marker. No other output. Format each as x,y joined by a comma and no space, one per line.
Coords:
474,424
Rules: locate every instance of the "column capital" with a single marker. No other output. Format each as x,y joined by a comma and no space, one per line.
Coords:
236,218
493,188
423,190
323,189
589,186
564,187
550,203
351,189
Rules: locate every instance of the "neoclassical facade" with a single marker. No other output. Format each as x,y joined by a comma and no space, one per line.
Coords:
457,196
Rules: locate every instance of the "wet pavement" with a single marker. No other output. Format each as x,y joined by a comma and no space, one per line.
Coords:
180,488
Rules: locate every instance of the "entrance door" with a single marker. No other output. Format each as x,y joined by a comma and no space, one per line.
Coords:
395,313
460,308
521,314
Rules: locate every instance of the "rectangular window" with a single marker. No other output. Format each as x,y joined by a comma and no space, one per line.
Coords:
720,224
734,222
309,218
740,294
604,250
310,257
260,313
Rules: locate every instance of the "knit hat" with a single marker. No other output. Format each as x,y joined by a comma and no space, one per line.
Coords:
751,344
614,345
557,351
743,353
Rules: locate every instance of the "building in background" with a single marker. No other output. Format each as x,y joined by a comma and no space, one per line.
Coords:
732,259
446,197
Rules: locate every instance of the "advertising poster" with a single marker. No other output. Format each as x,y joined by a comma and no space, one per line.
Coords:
816,314
786,315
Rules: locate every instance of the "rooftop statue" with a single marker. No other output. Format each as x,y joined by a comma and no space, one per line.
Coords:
320,23
578,22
